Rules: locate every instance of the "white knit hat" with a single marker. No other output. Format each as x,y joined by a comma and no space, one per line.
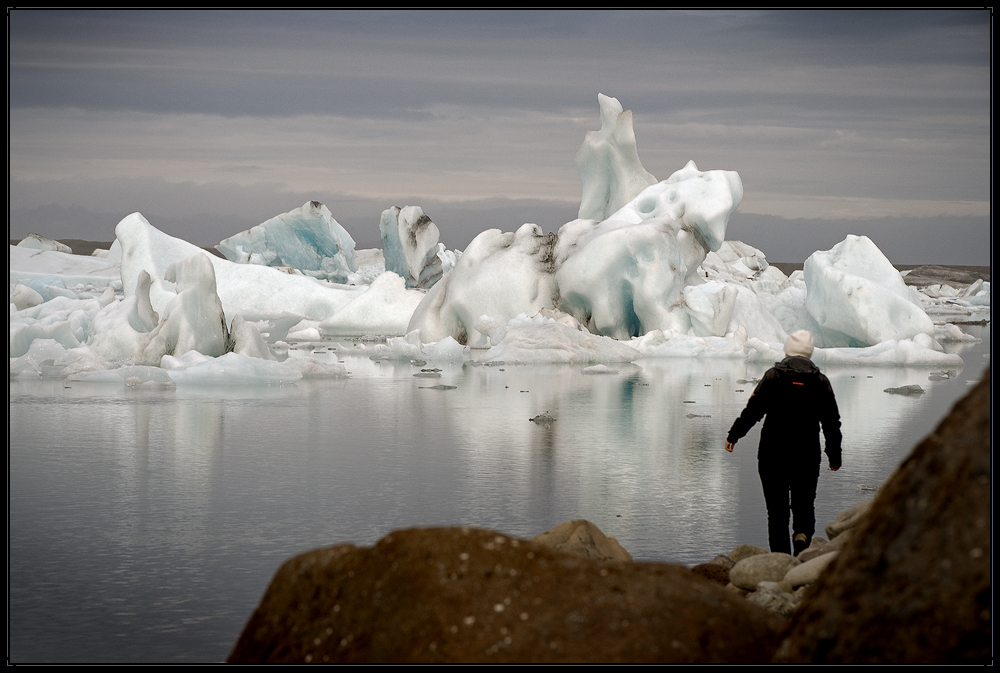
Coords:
799,343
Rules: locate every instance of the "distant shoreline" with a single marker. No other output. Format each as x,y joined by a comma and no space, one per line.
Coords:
935,273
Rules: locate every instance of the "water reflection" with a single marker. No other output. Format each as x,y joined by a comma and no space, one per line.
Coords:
145,524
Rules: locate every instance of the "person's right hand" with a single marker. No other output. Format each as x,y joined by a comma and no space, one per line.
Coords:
729,446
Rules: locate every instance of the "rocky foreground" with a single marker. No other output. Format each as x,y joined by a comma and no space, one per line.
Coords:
905,578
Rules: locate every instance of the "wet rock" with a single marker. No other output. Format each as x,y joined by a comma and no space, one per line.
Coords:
847,519
809,571
769,567
584,539
913,582
466,595
723,560
713,572
742,551
774,598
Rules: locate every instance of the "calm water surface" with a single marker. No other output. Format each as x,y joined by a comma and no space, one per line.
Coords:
145,525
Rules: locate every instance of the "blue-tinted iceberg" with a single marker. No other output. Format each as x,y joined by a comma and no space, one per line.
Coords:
858,298
410,245
307,239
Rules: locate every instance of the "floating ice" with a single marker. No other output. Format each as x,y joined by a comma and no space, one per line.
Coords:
384,308
246,340
40,351
647,264
39,242
314,369
231,369
411,348
410,245
892,353
541,340
500,275
253,291
608,163
858,298
626,276
121,331
23,297
27,264
307,239
193,320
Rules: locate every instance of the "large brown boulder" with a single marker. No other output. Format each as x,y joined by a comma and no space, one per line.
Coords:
912,584
461,594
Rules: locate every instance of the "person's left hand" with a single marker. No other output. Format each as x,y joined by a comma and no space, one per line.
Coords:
729,446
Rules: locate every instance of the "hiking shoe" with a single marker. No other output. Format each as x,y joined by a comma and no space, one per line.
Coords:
799,543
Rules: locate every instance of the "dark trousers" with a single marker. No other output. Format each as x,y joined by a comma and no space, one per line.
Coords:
788,487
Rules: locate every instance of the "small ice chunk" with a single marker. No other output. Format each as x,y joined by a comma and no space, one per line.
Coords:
599,369
911,390
233,369
39,242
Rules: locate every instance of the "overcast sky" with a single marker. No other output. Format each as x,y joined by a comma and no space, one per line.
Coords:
208,123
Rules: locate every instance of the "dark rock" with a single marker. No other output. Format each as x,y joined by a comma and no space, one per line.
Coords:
912,584
713,572
468,595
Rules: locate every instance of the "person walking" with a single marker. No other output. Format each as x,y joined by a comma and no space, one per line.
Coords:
796,400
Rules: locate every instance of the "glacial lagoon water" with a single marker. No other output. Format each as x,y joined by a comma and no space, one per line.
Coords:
144,525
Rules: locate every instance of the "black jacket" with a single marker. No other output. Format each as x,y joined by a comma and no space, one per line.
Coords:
797,399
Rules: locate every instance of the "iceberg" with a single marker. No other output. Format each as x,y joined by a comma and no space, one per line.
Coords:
608,163
384,308
307,239
39,242
544,340
645,271
858,298
250,290
500,275
410,245
193,320
28,264
228,370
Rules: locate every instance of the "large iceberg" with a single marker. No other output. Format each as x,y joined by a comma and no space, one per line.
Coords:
307,239
621,277
858,298
625,276
500,275
249,290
